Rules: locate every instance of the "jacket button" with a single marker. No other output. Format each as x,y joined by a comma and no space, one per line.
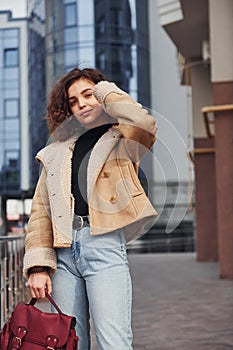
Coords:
113,199
106,174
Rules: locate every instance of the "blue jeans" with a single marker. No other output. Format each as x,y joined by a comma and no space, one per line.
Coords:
94,275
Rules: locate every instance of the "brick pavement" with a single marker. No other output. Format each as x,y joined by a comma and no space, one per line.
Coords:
179,304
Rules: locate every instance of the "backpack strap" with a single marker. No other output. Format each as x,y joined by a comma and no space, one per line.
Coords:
18,337
52,301
51,342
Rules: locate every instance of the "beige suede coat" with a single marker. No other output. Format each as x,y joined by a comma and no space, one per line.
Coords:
116,198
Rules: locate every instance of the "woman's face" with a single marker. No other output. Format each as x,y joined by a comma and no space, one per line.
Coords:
84,105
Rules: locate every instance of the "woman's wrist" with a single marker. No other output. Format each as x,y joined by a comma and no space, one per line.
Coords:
38,269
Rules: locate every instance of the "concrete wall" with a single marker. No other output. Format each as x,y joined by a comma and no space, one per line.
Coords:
169,99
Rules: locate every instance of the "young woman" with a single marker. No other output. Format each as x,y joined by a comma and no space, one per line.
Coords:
88,203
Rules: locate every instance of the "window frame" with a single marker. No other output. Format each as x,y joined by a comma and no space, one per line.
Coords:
7,63
73,24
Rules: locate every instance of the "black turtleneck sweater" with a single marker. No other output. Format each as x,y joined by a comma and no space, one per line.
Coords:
81,155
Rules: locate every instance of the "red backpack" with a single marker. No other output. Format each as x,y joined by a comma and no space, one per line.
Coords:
29,328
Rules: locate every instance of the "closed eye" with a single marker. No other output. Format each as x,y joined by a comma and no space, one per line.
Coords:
72,102
88,94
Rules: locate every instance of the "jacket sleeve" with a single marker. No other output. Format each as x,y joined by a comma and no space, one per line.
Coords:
135,123
39,239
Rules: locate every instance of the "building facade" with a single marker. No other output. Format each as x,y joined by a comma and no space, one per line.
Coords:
206,56
14,156
38,134
109,35
14,117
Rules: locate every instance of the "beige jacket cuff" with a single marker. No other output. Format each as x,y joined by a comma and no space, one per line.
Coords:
39,257
104,88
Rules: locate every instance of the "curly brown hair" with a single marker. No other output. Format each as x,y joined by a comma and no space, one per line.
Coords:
58,109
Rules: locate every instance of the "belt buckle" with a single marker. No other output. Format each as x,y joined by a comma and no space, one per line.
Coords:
81,222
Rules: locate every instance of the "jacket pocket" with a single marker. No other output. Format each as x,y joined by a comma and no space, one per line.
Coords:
129,174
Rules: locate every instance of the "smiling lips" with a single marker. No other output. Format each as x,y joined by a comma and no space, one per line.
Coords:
85,113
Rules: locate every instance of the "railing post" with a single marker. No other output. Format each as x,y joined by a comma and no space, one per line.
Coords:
13,288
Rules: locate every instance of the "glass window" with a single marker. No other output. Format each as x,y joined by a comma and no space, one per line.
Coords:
11,108
116,61
11,58
100,60
11,33
11,73
116,21
70,15
70,35
11,93
12,128
71,57
11,43
11,143
11,158
100,30
117,16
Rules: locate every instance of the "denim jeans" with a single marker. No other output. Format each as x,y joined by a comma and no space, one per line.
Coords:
94,275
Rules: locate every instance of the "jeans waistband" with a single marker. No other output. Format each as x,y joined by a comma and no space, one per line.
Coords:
108,240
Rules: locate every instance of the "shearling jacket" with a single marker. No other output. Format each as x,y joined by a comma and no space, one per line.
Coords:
116,198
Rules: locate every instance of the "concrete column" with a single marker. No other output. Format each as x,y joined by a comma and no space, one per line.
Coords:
204,167
221,34
224,178
205,183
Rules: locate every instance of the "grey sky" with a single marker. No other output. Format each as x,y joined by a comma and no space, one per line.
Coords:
18,7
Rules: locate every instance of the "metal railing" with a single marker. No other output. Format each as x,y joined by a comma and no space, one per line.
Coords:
13,287
156,240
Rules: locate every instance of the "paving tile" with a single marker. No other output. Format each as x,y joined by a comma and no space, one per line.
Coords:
180,304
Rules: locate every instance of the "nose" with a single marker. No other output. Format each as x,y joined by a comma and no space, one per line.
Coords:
81,102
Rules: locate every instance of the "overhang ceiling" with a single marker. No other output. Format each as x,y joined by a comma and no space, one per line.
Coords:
189,33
